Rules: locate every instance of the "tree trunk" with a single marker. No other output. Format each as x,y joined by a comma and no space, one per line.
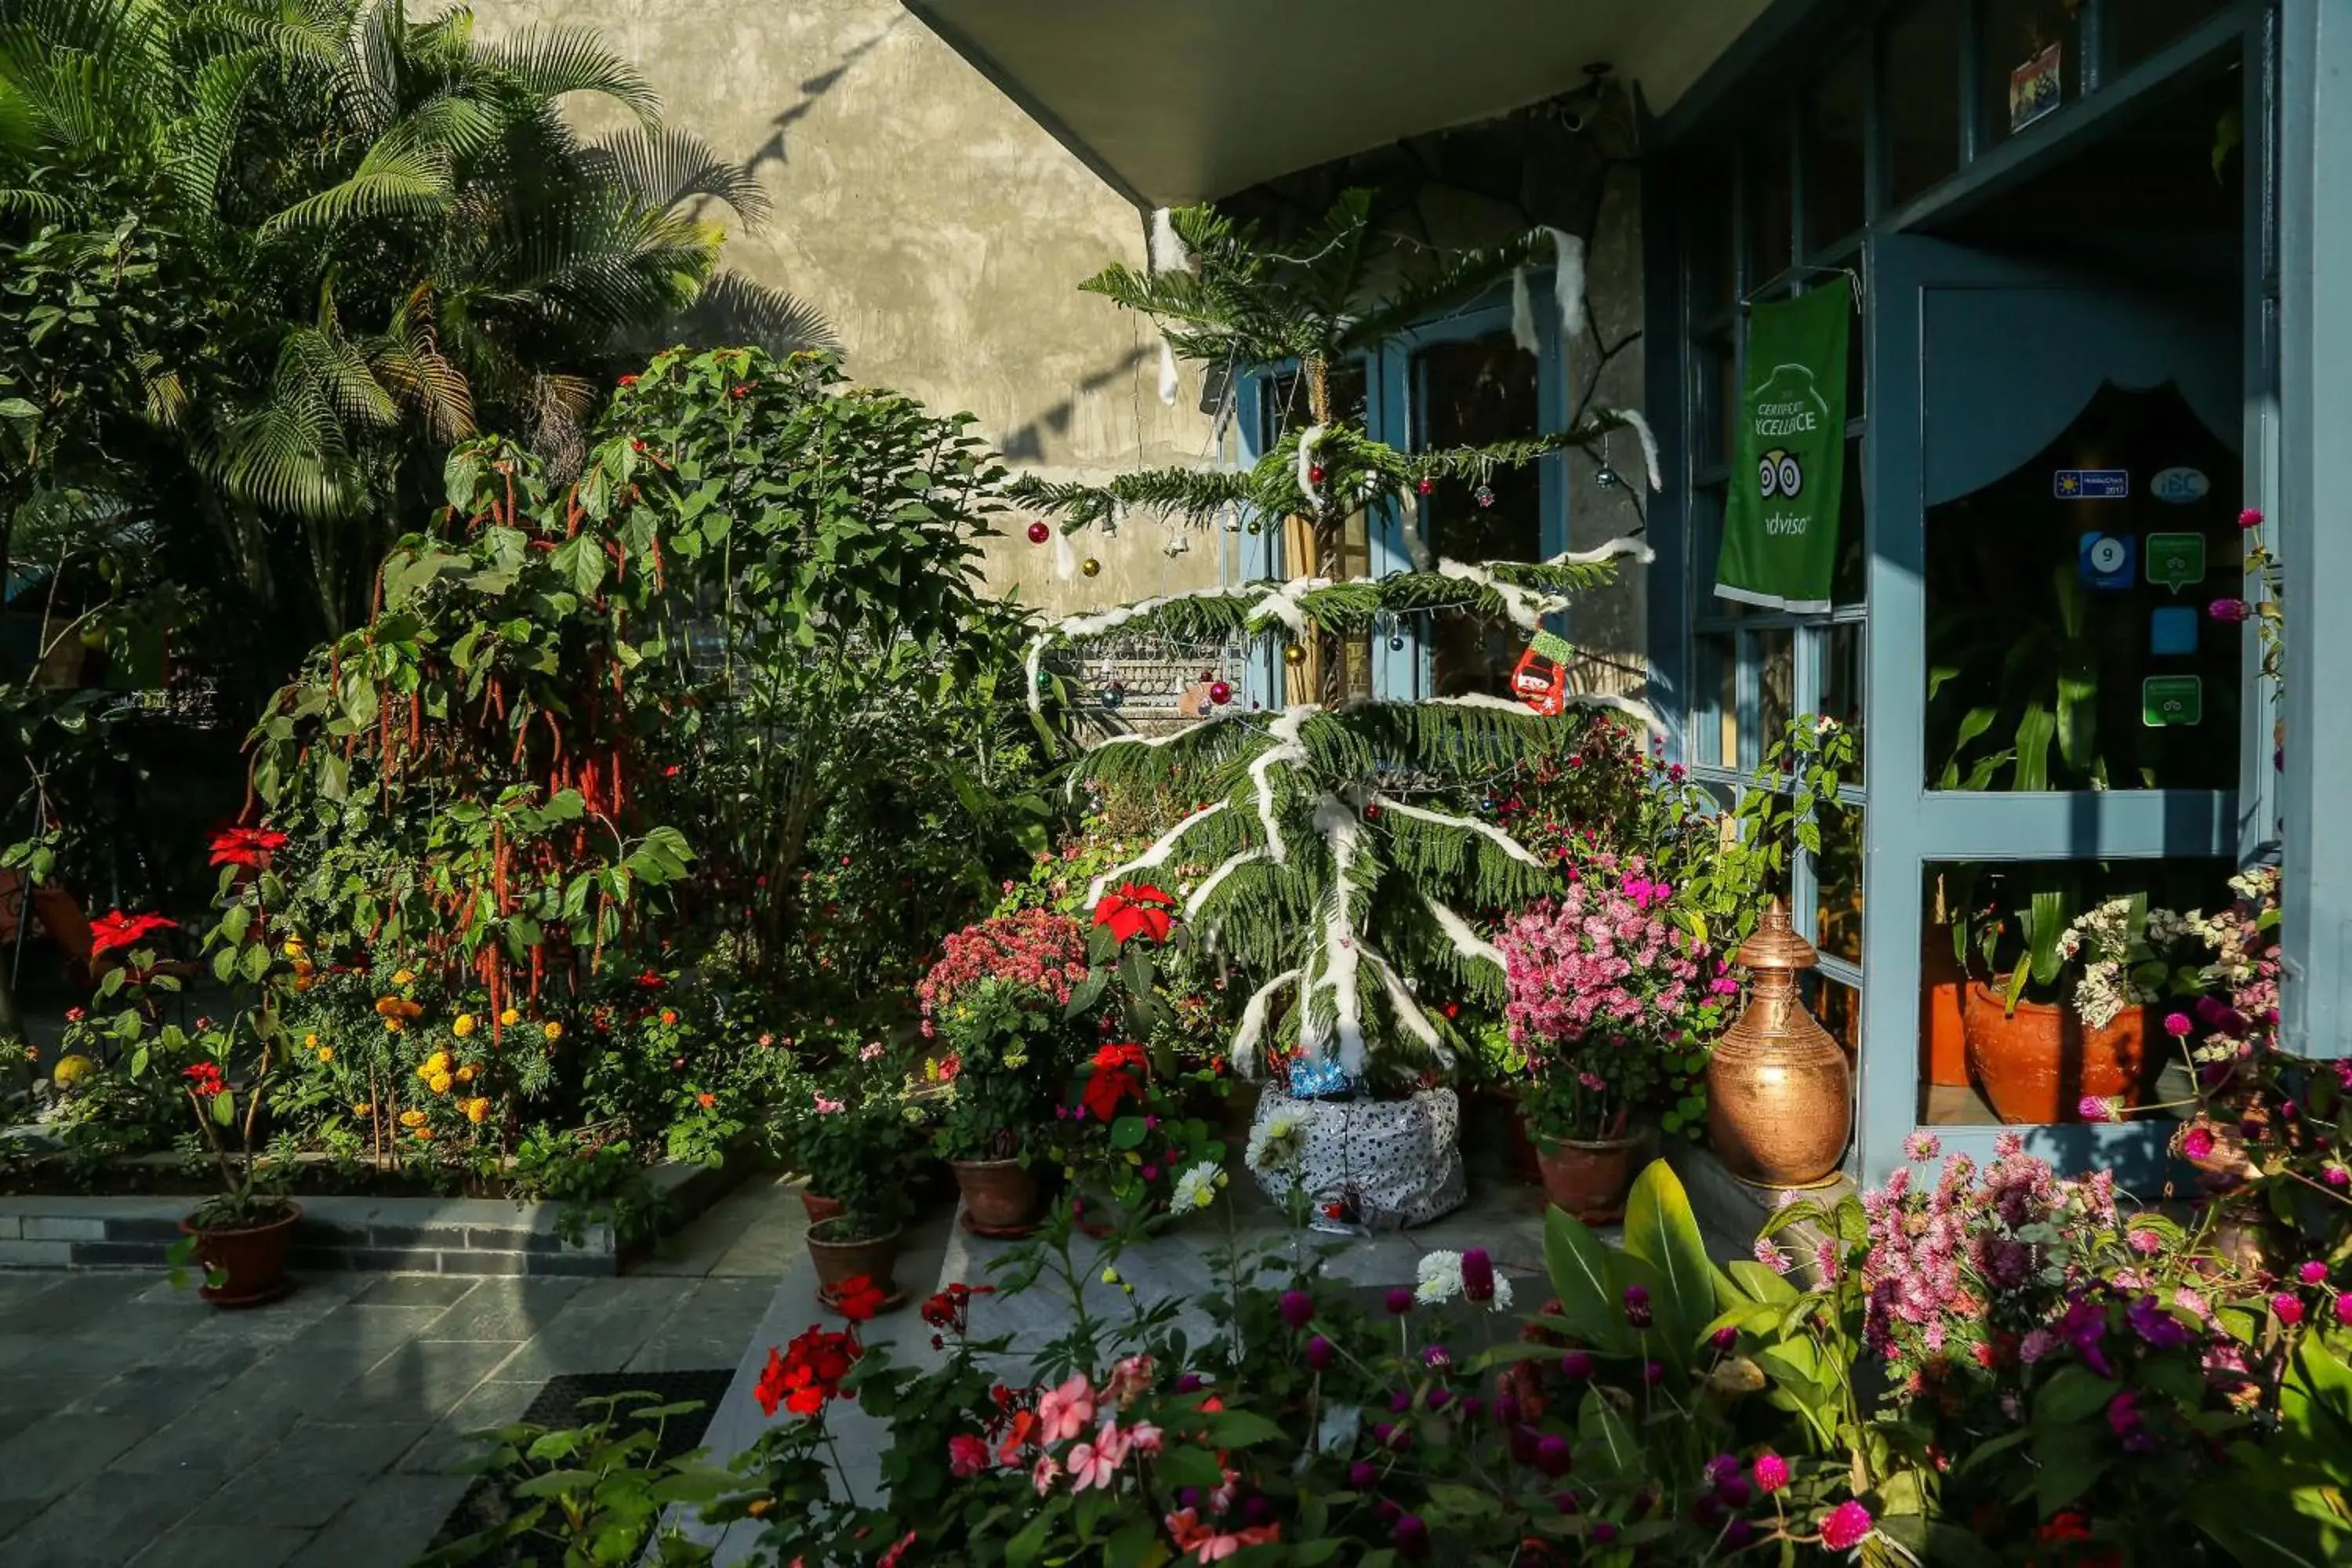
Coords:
1324,671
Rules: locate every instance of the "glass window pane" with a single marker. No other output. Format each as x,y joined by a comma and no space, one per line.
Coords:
1833,139
1471,393
1850,582
1715,738
1776,684
2080,1030
2023,79
1922,98
1842,668
2068,642
2137,28
1837,1006
1710,254
1714,392
1772,198
1837,875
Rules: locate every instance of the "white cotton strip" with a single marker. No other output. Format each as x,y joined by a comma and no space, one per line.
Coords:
1161,848
1637,550
1287,748
1281,602
1409,514
1524,606
1568,285
1467,943
1509,845
1306,444
1408,1009
1628,706
1523,313
1066,559
1169,383
1253,1024
1168,251
1641,426
1343,830
1035,660
1200,898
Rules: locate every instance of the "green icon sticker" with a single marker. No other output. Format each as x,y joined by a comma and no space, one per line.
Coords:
2175,560
2168,700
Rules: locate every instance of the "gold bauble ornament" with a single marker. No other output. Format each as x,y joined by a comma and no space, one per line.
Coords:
1090,566
1295,654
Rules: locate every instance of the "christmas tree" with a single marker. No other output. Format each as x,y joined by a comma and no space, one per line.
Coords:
1345,865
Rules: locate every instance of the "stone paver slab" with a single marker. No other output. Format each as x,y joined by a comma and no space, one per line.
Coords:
208,1437
70,1303
108,1521
449,1445
54,1454
422,1380
509,1309
388,1525
413,1290
223,1546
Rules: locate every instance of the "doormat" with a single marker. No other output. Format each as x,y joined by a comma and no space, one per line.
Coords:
485,1506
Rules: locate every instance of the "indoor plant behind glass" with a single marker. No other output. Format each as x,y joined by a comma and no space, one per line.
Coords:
1007,1047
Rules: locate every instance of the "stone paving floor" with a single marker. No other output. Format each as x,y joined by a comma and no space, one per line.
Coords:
140,1427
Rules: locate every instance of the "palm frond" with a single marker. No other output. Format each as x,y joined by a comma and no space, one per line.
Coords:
551,61
394,178
664,166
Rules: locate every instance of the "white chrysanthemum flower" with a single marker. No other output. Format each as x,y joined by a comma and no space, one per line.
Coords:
1196,1189
1439,1277
1277,1143
1500,1301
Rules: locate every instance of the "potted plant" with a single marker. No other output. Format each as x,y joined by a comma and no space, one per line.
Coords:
1609,997
241,1233
1004,1050
854,1141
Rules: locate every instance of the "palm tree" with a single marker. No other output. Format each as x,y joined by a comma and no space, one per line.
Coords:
385,234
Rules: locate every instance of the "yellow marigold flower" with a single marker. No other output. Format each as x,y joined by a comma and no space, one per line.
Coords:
553,1031
311,1039
438,1062
475,1110
510,1017
439,1083
402,977
463,1027
466,1074
293,948
365,1107
393,1026
326,1053
425,1135
398,1007
412,1119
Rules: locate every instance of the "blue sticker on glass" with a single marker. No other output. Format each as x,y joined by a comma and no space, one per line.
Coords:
2107,561
2091,484
2172,631
2179,486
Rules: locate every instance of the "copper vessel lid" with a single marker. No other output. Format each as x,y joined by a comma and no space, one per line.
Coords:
1775,945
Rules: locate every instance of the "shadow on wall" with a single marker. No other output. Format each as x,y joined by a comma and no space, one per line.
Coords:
734,309
773,150
1026,443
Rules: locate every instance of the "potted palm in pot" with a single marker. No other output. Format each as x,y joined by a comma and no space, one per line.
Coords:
1005,1046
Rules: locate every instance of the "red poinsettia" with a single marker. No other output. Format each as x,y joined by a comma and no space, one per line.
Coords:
1136,909
250,847
805,1376
115,930
1118,1077
859,1297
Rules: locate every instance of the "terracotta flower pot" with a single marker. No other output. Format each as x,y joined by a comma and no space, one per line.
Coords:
1589,1177
875,1257
1941,978
2036,1065
254,1258
818,1207
999,1196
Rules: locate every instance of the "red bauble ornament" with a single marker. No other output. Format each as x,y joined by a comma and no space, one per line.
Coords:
1039,533
1208,675
1219,693
1315,474
1371,811
1427,484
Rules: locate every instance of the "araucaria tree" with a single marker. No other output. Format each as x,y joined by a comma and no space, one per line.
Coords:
1345,866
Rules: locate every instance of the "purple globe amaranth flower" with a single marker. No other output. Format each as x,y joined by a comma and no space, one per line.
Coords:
1410,1535
1637,1306
1436,1356
2311,1271
1524,1442
2250,518
1604,1533
1400,1401
2197,1143
1400,1301
2177,1024
2286,1309
1319,1353
1576,1365
1362,1475
1554,1456
2095,1108
1770,1472
2344,1308
2229,609
1188,1382
1438,1398
1563,1501
1708,1512
1846,1526
1654,1372
1473,1408
1734,1493
1506,1409
1724,1338
1297,1308
1256,1509
1739,1535
1478,1274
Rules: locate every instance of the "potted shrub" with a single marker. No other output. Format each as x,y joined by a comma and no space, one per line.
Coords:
1004,1048
855,1141
1610,997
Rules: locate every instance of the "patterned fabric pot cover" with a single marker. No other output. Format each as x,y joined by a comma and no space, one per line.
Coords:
1369,1164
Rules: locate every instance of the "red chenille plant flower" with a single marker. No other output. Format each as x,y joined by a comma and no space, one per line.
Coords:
203,1079
1133,909
248,847
113,932
1117,1078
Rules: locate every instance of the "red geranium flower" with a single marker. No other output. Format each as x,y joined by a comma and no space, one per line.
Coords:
952,1308
203,1079
1135,908
1113,1080
248,847
113,932
858,1299
805,1376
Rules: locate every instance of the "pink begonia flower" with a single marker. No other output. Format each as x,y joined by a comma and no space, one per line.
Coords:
1064,1412
1091,1467
1127,1379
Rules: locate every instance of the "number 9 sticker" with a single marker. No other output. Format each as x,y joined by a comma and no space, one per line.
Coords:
1778,473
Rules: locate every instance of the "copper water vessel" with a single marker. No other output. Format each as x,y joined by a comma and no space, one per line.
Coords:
1779,1090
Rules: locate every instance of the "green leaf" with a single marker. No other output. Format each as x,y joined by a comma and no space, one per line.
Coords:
1241,1429
2064,1468
1579,1266
1661,1231
1759,1282
1609,1444
2076,1394
1189,1466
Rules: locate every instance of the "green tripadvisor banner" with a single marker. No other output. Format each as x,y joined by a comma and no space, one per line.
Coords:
1781,526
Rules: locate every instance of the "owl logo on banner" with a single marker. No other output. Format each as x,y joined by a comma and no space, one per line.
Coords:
1779,473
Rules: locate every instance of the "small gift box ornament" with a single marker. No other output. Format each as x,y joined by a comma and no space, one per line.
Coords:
1541,678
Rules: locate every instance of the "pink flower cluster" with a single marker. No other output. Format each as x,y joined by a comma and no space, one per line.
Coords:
1036,948
1602,961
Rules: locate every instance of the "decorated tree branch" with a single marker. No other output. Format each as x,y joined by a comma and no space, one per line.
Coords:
1336,847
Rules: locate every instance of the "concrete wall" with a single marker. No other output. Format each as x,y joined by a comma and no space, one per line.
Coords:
938,233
